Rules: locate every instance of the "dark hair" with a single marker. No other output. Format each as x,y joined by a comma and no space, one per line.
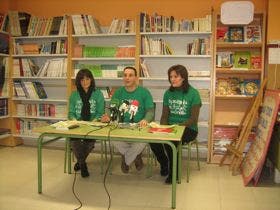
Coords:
130,67
84,73
183,72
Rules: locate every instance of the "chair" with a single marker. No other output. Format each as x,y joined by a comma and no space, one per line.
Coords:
150,159
188,147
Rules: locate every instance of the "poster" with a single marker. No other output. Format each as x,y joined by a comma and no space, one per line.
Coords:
254,159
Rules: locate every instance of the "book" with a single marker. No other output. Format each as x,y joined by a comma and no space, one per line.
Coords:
222,34
236,34
224,59
4,131
256,60
252,33
250,87
65,125
242,59
4,43
161,130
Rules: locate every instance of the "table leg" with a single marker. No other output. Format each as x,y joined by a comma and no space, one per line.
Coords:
174,174
39,161
69,157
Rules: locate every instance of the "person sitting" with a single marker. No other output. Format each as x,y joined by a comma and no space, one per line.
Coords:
138,108
181,105
86,103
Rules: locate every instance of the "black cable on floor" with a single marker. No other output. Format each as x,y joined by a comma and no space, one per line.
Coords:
108,167
73,186
73,190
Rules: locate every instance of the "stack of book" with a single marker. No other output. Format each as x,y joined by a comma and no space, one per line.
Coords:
155,47
240,60
41,110
85,24
27,89
237,86
121,26
246,34
160,23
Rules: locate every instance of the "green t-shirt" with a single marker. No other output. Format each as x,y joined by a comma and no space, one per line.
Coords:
96,105
180,105
140,94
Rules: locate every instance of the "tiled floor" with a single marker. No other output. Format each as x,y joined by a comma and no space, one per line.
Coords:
211,188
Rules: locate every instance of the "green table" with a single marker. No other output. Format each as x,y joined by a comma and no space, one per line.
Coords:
118,134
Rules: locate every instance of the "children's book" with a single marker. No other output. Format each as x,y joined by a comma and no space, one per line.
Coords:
222,34
242,59
256,60
236,34
224,59
253,33
251,87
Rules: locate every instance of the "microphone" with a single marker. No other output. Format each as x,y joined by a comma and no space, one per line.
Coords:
114,109
123,109
133,109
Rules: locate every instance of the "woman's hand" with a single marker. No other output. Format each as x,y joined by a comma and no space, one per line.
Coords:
105,118
143,123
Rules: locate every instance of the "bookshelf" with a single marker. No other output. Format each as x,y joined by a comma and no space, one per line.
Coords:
239,70
5,120
38,75
168,42
105,52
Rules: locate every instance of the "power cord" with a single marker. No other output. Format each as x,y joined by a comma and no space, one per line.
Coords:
108,167
75,176
73,190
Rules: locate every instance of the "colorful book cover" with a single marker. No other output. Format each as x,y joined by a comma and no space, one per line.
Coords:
224,59
222,34
242,60
161,130
236,34
253,33
256,60
250,87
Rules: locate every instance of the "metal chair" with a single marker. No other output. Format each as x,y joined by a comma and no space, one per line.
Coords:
188,147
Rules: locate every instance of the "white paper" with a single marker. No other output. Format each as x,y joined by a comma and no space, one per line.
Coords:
274,56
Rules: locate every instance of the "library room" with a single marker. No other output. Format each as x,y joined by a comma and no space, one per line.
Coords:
129,105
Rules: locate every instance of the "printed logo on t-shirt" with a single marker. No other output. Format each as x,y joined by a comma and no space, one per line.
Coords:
177,106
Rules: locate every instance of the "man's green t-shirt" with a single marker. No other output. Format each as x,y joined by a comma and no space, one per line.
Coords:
142,97
180,104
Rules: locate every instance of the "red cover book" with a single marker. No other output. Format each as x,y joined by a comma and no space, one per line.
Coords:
160,130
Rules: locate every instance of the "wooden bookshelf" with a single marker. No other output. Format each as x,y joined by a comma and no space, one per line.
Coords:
229,106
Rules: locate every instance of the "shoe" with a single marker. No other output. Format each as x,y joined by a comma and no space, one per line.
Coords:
139,162
84,170
168,180
164,170
77,167
124,167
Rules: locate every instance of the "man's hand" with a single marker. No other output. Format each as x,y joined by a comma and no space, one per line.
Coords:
143,123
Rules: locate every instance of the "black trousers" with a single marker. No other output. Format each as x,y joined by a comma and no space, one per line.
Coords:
163,152
81,148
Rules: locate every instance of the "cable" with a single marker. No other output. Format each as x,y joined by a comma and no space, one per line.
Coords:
108,167
73,190
74,181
